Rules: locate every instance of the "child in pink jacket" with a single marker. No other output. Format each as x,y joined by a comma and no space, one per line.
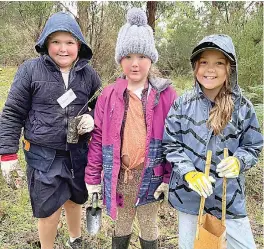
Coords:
126,141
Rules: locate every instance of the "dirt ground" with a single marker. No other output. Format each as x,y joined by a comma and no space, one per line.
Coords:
168,238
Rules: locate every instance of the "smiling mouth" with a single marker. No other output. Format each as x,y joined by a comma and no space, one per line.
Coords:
210,77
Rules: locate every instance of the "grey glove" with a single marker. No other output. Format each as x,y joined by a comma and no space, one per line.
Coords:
162,188
12,173
86,124
94,189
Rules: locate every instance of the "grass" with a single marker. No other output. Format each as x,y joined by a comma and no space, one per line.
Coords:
18,229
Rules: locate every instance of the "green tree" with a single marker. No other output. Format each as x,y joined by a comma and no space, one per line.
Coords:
20,26
177,31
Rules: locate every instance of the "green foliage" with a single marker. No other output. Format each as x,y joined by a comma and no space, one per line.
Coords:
245,25
254,93
182,84
182,25
6,77
104,42
20,26
250,56
176,34
259,108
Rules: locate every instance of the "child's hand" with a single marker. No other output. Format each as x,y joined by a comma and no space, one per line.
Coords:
162,188
228,167
200,183
94,189
11,170
86,124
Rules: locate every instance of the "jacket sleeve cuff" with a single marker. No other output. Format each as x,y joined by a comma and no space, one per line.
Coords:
166,179
9,157
241,164
92,177
184,171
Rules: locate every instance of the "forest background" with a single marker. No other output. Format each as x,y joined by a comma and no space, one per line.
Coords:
178,26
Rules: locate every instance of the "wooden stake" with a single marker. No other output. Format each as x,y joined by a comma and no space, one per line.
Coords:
207,170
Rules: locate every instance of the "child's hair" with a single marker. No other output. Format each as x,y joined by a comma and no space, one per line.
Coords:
154,72
223,107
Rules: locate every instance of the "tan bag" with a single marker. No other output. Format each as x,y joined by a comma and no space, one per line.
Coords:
211,232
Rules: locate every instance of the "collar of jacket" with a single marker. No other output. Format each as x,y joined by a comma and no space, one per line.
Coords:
80,63
159,84
120,87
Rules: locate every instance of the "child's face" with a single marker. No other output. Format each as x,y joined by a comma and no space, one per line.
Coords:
63,49
212,72
136,68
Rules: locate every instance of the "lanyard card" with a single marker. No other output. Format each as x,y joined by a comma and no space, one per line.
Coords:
65,99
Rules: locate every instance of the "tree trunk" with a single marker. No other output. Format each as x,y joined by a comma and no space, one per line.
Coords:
83,16
151,13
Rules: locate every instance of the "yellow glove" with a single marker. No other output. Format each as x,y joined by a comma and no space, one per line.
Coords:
200,183
162,188
228,167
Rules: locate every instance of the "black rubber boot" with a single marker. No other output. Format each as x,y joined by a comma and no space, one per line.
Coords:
121,242
145,244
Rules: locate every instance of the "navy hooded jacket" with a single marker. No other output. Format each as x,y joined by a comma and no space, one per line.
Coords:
38,83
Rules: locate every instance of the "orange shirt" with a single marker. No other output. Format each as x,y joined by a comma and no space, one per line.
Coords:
134,137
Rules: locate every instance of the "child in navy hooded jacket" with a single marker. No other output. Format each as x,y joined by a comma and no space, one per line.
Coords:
46,94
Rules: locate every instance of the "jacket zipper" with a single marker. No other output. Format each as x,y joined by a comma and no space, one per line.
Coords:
66,122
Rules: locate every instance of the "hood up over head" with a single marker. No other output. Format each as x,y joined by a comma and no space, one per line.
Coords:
63,21
221,43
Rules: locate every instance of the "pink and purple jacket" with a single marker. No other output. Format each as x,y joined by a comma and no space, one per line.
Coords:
105,146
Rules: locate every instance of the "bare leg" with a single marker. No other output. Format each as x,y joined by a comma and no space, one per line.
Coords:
47,228
73,213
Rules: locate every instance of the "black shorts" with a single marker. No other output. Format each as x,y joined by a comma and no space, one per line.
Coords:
50,190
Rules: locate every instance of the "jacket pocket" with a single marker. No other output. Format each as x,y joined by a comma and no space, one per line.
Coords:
39,157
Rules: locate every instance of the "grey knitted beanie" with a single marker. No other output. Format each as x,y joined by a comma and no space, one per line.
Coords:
136,37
